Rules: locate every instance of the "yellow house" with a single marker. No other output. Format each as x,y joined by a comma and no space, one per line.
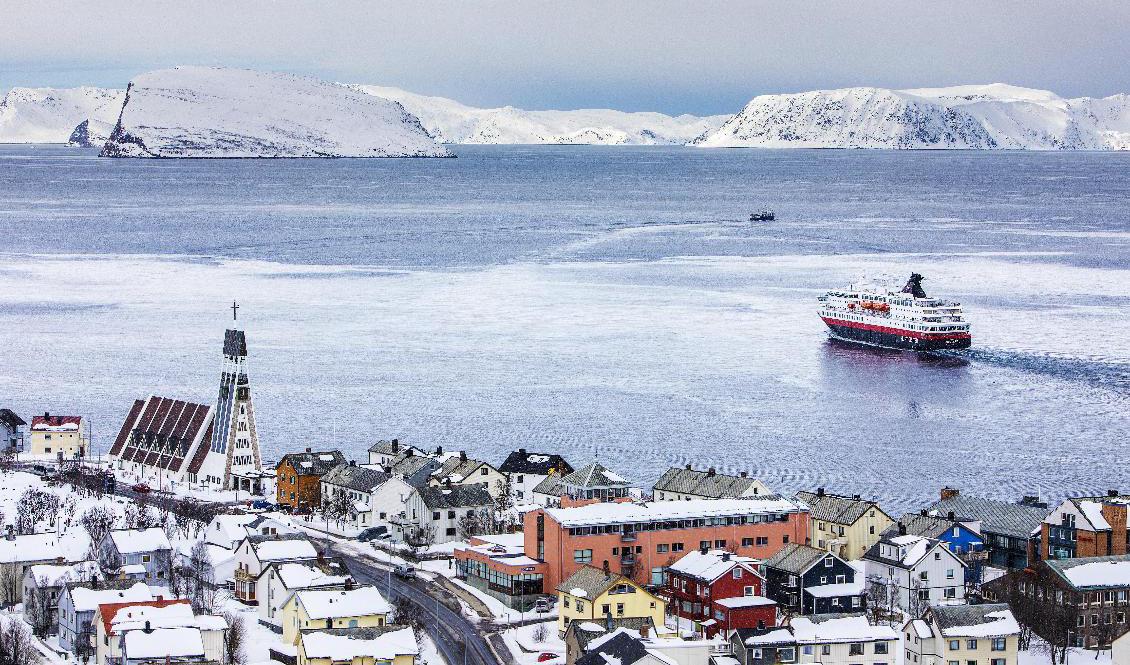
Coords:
51,435
846,526
358,646
590,594
983,634
361,607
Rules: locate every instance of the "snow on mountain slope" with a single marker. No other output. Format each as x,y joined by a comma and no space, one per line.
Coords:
969,116
453,122
50,115
217,112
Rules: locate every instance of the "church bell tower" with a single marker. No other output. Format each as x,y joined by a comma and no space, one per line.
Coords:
234,437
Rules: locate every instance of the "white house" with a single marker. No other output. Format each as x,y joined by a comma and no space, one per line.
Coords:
526,470
228,531
353,486
828,639
439,510
387,505
460,470
18,553
913,572
168,627
280,580
987,634
255,553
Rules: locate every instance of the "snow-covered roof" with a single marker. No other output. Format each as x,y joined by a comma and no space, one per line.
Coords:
359,602
307,575
630,512
1094,572
745,601
839,629
140,541
836,590
993,620
781,635
54,575
337,647
132,569
159,614
285,549
46,423
164,643
1093,511
712,565
88,600
71,546
921,629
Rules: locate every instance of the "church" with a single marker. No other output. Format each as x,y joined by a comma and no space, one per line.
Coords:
170,442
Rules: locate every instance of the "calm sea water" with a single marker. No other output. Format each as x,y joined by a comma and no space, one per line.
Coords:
601,302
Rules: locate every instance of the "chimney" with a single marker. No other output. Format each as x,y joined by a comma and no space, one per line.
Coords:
856,497
744,474
395,445
409,452
819,491
922,512
950,493
388,469
688,467
447,482
951,516
521,451
725,556
710,472
148,628
643,631
47,416
160,597
605,568
902,529
1112,493
463,455
308,450
352,462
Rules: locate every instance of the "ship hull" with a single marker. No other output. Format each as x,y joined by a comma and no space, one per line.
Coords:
893,338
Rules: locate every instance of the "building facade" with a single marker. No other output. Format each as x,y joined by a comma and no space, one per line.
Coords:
1010,530
913,572
847,526
298,478
1086,527
966,634
526,470
63,437
808,580
699,579
592,594
11,431
687,483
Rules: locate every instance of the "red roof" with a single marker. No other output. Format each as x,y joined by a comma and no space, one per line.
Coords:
110,610
45,421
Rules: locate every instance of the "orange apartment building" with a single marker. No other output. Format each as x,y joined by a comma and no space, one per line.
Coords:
298,477
639,540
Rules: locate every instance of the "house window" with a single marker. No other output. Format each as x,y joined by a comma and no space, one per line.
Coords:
955,645
662,548
998,661
949,573
435,515
825,649
747,542
451,514
827,562
787,655
807,650
762,541
704,544
823,579
450,531
484,471
785,539
748,591
580,606
737,573
719,544
606,609
566,601
971,645
582,556
676,547
881,648
855,649
145,558
999,643
949,592
619,609
937,556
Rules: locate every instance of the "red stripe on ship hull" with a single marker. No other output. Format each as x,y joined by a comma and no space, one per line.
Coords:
895,331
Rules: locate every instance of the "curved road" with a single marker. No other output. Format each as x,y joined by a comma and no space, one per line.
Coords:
458,638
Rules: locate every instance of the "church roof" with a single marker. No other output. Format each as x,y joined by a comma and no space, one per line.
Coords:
160,431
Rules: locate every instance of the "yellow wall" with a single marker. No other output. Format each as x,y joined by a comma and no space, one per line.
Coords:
294,619
857,538
68,442
640,603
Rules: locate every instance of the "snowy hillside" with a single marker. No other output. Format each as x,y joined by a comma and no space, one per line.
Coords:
970,116
51,115
452,122
217,112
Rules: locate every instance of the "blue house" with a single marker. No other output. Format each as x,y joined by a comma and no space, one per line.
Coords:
807,580
140,554
963,541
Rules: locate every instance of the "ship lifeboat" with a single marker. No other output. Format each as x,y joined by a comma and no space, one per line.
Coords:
882,307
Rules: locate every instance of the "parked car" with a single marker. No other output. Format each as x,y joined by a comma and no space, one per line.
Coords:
262,504
542,606
141,488
546,656
39,468
404,570
372,533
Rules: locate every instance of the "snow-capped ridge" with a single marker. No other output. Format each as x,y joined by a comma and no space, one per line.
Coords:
215,112
450,121
992,116
51,115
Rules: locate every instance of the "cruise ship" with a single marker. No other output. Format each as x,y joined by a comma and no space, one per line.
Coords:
907,319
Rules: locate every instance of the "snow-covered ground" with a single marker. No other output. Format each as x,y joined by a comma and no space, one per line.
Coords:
216,112
967,117
523,643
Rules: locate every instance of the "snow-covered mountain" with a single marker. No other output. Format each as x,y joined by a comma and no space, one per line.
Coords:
218,112
995,116
452,122
51,115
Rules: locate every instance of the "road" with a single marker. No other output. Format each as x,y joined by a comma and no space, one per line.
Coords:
458,638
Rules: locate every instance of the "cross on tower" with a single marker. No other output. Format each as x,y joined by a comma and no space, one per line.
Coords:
234,307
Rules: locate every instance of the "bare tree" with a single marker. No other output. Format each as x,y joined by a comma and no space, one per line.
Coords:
137,515
419,536
407,613
17,646
35,506
540,633
11,583
7,459
505,494
470,525
37,608
200,579
97,521
234,639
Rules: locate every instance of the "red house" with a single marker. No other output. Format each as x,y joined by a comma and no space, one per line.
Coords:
720,591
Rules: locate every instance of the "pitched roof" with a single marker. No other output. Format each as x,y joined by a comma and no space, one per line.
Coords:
313,463
109,611
391,447
594,474
48,423
356,478
703,483
834,508
620,648
160,431
586,632
382,643
458,468
455,496
839,628
632,512
164,643
795,558
911,549
1000,517
140,541
1098,572
71,546
711,565
287,547
358,602
917,524
9,418
591,581
312,574
989,620
538,464
86,597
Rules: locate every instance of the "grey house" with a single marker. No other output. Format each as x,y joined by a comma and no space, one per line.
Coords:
11,436
43,585
142,554
78,602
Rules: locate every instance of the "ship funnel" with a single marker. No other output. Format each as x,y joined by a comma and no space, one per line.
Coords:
914,286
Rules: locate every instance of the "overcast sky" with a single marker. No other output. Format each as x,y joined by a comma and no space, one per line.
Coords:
686,57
